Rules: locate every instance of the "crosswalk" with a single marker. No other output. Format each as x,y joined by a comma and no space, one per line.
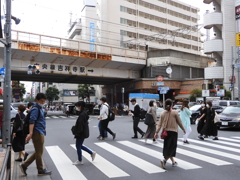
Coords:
61,117
224,152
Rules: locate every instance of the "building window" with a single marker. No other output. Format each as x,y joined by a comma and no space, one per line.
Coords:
123,21
123,9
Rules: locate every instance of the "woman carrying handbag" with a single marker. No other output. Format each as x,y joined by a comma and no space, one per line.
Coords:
169,122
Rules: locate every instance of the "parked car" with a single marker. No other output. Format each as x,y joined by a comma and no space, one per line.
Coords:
159,110
177,107
225,103
230,117
192,104
96,110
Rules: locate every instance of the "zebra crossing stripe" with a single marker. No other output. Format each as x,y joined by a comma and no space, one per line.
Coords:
62,116
64,164
214,145
183,164
134,160
229,139
215,152
54,117
223,142
109,169
198,156
235,137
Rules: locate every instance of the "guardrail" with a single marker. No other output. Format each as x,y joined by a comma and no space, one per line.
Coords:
78,46
6,167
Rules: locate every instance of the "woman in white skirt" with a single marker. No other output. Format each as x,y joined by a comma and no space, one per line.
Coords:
185,114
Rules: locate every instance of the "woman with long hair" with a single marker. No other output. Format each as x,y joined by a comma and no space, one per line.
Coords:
169,120
185,114
151,128
210,128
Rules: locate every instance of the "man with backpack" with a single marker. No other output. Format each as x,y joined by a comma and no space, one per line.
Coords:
106,115
37,131
136,118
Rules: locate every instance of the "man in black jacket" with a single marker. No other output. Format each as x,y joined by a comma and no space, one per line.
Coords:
136,118
81,131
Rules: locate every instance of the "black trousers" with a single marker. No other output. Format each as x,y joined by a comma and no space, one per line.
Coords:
104,126
136,129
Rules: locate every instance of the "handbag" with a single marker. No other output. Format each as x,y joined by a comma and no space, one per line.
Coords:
149,119
164,133
216,118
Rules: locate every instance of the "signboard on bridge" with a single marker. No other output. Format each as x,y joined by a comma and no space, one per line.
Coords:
92,36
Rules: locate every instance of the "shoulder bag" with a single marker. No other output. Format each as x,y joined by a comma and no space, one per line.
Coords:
164,133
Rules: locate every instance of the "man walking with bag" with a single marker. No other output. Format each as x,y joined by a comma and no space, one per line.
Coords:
136,119
37,131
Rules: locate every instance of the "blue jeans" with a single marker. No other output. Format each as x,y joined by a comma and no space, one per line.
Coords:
80,147
99,127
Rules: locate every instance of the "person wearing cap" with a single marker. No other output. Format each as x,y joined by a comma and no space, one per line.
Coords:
136,119
81,132
104,119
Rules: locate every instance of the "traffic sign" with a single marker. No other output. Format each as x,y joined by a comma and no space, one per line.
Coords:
163,92
160,78
169,70
2,71
163,88
237,65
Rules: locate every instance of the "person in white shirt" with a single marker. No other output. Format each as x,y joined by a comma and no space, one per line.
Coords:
104,119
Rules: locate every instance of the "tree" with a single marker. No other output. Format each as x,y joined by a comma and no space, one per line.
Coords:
52,94
195,93
84,91
21,89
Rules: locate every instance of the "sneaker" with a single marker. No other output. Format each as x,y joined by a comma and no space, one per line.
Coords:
134,137
93,155
216,138
200,137
77,162
25,156
142,135
163,163
174,164
23,169
99,137
186,142
44,172
114,136
205,136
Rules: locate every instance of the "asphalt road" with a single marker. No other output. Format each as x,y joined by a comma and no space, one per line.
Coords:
131,159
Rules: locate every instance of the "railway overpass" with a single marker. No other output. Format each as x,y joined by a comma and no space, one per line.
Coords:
69,61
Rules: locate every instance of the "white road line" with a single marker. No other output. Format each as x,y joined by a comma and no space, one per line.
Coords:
62,116
229,139
64,164
183,164
215,152
213,145
109,169
134,160
198,156
235,137
223,142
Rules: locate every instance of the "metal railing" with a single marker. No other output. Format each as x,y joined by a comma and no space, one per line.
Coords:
74,45
6,167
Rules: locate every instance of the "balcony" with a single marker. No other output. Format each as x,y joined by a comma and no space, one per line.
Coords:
213,72
215,45
207,1
212,19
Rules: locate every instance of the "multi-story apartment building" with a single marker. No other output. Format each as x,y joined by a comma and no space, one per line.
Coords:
156,24
222,20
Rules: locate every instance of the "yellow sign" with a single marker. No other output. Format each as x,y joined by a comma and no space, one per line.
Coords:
238,39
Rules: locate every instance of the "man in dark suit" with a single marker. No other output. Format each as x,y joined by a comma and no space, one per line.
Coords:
136,118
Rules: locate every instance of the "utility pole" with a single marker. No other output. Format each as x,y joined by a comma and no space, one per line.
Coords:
7,95
233,79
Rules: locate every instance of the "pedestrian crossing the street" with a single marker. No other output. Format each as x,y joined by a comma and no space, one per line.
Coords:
224,152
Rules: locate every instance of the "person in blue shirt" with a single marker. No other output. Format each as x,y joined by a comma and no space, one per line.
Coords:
37,131
185,114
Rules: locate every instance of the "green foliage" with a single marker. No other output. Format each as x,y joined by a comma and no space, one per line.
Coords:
195,93
84,91
228,94
52,94
29,99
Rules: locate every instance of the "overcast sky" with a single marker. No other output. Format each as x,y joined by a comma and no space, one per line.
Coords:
52,17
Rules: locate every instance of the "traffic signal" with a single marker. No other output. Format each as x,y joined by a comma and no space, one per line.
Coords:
33,68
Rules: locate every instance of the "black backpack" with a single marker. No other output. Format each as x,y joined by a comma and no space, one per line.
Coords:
142,113
26,121
111,115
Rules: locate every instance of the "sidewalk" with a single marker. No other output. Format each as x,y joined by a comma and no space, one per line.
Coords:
2,156
31,171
